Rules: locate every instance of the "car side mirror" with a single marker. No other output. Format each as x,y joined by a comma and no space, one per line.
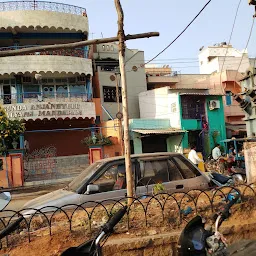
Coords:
5,198
92,189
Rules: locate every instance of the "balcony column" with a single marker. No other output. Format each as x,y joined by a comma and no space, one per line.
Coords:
89,87
86,52
22,144
18,83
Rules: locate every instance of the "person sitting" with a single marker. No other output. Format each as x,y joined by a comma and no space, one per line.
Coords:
216,153
120,181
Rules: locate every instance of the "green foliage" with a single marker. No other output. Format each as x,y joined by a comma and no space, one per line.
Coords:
97,140
158,188
10,130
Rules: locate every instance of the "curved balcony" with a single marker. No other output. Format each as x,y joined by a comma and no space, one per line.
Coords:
42,15
45,64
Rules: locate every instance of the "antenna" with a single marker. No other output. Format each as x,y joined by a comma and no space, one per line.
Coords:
92,34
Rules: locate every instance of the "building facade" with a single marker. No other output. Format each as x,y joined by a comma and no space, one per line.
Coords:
220,57
197,112
227,65
106,79
50,90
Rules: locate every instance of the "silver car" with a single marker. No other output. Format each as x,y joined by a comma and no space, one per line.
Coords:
105,180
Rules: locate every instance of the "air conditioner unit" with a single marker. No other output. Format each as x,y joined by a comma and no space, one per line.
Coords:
214,104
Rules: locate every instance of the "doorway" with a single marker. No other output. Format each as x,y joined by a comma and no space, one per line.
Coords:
7,94
195,138
154,143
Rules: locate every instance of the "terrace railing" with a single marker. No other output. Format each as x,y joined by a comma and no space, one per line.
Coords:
42,6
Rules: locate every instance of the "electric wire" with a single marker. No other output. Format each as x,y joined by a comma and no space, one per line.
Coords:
229,41
247,43
182,32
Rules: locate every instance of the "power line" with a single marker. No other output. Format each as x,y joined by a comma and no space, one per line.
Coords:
180,33
247,43
230,37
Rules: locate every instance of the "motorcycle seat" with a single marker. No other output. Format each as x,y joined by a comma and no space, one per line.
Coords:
220,178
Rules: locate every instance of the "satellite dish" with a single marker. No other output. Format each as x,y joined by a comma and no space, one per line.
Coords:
38,77
5,198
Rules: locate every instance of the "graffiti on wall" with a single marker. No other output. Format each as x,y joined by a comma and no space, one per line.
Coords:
41,164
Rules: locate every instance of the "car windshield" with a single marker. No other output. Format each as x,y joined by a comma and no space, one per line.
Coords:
83,176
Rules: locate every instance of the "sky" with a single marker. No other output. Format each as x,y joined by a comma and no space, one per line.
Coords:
170,17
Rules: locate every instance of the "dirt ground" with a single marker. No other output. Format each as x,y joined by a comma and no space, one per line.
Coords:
243,217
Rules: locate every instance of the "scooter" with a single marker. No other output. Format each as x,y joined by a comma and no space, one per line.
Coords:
240,171
93,247
195,240
221,180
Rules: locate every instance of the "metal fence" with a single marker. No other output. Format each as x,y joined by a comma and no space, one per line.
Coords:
172,210
42,6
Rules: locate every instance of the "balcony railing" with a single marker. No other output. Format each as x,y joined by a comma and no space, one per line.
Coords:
76,52
45,97
42,6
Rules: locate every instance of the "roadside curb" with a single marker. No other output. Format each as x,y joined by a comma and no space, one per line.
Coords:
37,186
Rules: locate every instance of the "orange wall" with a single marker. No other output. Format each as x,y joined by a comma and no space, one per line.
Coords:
96,85
15,171
111,128
98,107
114,150
3,178
233,113
232,86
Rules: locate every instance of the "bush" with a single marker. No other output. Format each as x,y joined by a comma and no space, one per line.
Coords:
10,130
97,140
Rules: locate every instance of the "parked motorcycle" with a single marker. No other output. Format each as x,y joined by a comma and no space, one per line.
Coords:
195,240
238,171
93,247
222,180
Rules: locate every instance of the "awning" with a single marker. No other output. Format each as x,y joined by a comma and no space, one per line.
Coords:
200,93
44,64
159,131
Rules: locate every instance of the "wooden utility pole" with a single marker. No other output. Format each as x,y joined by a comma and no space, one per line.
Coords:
127,147
119,116
74,45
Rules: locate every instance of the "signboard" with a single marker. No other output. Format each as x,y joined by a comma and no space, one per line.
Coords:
250,161
50,110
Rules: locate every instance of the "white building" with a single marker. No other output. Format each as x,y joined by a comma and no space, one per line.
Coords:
211,59
107,76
